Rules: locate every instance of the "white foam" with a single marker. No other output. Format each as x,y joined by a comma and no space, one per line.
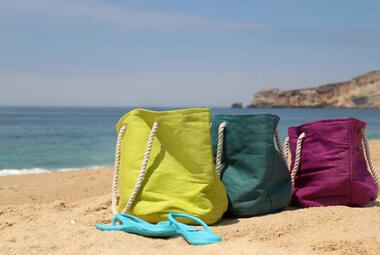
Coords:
5,172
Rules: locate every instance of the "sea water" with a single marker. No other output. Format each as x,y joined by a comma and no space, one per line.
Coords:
44,139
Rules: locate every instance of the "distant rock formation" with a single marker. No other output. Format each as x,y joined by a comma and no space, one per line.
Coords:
237,105
360,92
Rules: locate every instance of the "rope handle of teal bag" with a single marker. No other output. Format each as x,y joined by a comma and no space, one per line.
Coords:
141,175
369,160
219,150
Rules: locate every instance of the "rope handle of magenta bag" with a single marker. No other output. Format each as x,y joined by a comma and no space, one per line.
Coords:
286,149
293,172
115,184
219,150
298,157
280,149
369,160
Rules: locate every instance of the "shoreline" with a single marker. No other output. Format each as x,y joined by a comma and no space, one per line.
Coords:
44,171
33,171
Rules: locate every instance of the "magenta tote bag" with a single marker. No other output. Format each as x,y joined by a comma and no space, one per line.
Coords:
328,164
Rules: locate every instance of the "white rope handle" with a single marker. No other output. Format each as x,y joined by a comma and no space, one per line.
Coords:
143,168
370,162
296,165
115,182
281,150
220,147
140,176
286,149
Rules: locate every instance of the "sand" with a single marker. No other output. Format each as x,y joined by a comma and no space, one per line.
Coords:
55,213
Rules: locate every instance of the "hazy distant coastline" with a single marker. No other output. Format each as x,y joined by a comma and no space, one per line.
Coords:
359,92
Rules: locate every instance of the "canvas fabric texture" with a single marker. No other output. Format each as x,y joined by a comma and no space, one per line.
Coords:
180,175
254,173
333,169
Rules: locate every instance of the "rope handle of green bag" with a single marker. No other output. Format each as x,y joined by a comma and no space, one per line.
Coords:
300,139
115,183
218,161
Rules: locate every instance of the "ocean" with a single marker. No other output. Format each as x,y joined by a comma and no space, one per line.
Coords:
45,139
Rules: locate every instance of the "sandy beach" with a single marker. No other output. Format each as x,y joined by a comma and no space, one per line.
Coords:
55,213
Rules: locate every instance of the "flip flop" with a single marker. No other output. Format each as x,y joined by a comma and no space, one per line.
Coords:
134,225
193,236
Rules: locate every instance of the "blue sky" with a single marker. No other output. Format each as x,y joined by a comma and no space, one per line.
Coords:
179,53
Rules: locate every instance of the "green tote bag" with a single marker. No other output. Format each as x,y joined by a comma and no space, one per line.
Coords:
164,165
253,171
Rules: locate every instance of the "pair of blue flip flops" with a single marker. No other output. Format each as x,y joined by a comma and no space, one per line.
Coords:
134,225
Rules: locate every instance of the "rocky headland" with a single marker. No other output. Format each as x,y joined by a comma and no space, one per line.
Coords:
359,92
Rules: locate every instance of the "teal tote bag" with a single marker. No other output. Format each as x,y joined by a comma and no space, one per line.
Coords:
253,171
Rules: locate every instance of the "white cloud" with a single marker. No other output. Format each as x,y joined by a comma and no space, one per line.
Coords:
101,12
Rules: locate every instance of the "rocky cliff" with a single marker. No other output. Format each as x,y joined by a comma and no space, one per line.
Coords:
360,92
